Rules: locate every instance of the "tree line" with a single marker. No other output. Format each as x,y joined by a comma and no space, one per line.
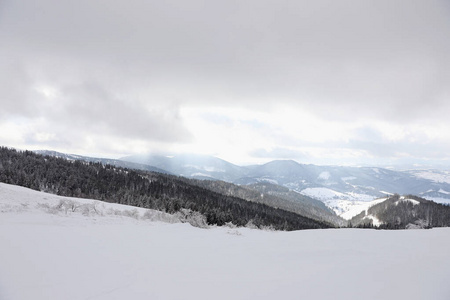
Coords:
152,190
400,212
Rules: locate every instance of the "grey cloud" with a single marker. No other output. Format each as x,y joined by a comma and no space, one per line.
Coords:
372,141
16,91
278,153
342,60
95,109
321,51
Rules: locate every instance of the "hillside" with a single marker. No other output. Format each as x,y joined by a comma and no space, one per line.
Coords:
325,183
275,196
339,187
400,212
139,188
119,254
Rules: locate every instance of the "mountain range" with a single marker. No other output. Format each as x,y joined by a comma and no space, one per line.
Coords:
339,187
351,181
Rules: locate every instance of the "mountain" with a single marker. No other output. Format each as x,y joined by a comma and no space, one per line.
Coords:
375,182
104,161
144,189
276,196
403,212
191,166
286,200
326,183
341,188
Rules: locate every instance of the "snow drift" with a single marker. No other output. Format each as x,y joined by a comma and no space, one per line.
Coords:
47,254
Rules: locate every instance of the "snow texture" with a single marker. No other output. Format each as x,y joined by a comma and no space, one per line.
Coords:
345,205
437,176
47,254
324,175
375,220
349,209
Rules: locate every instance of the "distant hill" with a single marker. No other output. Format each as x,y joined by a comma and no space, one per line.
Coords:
332,182
401,212
278,197
339,187
105,161
192,166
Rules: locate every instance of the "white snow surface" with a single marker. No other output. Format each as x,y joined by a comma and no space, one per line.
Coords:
345,205
375,220
324,175
45,255
443,192
324,194
437,176
205,168
200,174
348,209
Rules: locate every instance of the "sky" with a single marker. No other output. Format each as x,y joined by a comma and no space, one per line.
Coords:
347,82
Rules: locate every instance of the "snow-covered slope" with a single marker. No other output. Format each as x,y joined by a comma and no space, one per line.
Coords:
46,254
326,183
348,209
17,199
344,205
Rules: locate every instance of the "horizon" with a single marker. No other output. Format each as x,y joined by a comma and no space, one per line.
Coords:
398,167
324,82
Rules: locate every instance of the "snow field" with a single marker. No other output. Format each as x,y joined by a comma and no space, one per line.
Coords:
57,256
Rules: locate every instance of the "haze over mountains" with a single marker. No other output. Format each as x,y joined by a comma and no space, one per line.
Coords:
352,183
279,194
339,187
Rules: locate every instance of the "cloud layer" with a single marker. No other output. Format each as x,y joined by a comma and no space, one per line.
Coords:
274,78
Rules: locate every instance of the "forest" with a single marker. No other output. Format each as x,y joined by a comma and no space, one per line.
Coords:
402,212
145,189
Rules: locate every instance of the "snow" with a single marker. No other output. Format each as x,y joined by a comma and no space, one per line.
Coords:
443,192
386,193
438,200
345,205
437,176
348,209
324,175
375,220
205,168
57,256
262,179
198,174
402,199
323,193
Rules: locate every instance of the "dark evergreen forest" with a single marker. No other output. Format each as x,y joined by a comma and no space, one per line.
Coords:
158,191
396,213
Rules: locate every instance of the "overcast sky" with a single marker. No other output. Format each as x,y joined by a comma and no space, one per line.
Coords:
325,82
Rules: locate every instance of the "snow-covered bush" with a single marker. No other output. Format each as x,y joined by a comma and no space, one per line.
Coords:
194,218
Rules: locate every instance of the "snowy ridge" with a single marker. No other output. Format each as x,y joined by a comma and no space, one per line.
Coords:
16,199
349,209
345,205
325,194
403,199
434,175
